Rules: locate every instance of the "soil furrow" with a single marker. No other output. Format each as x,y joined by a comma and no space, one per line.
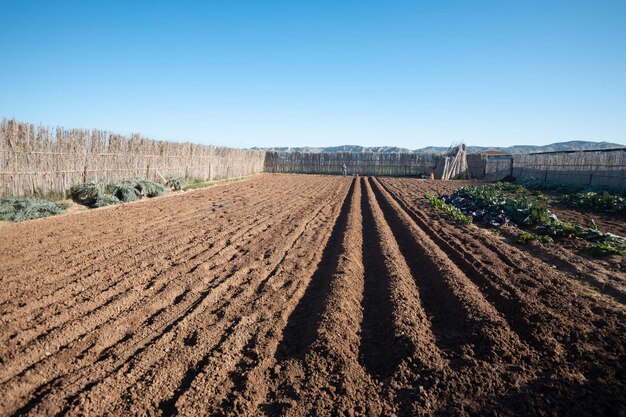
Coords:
302,295
219,291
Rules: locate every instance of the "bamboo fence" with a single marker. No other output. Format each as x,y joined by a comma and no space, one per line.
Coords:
39,160
597,168
366,163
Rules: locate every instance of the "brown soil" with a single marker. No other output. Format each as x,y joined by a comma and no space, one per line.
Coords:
298,295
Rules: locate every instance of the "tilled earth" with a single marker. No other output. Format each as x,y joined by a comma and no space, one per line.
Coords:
302,295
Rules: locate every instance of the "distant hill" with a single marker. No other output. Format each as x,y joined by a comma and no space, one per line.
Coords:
342,148
574,145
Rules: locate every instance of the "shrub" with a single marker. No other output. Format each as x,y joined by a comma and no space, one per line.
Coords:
106,200
87,194
126,191
150,188
175,183
26,208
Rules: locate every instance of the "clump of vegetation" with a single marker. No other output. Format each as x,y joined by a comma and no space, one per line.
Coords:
595,201
525,237
150,188
126,192
87,194
18,209
509,203
449,209
97,194
607,248
175,183
106,200
502,203
557,228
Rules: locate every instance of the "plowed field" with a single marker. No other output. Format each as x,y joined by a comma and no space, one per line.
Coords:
300,295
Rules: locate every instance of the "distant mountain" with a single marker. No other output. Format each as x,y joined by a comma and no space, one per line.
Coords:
574,145
342,148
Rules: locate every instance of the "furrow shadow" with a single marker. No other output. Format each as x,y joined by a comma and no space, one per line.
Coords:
451,326
501,295
304,321
376,349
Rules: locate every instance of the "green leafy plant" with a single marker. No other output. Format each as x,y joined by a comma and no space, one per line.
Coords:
18,209
607,248
511,203
557,228
194,183
525,237
449,209
504,200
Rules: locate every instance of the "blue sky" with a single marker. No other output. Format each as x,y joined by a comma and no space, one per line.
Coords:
296,73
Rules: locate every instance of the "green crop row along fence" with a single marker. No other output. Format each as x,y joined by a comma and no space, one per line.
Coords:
366,163
39,159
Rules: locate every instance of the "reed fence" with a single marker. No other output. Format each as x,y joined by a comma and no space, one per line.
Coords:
366,163
604,168
39,159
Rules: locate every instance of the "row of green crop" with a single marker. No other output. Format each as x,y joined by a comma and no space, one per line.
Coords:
503,203
582,197
93,194
449,209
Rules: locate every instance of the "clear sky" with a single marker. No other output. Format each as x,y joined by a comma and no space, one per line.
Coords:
320,73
